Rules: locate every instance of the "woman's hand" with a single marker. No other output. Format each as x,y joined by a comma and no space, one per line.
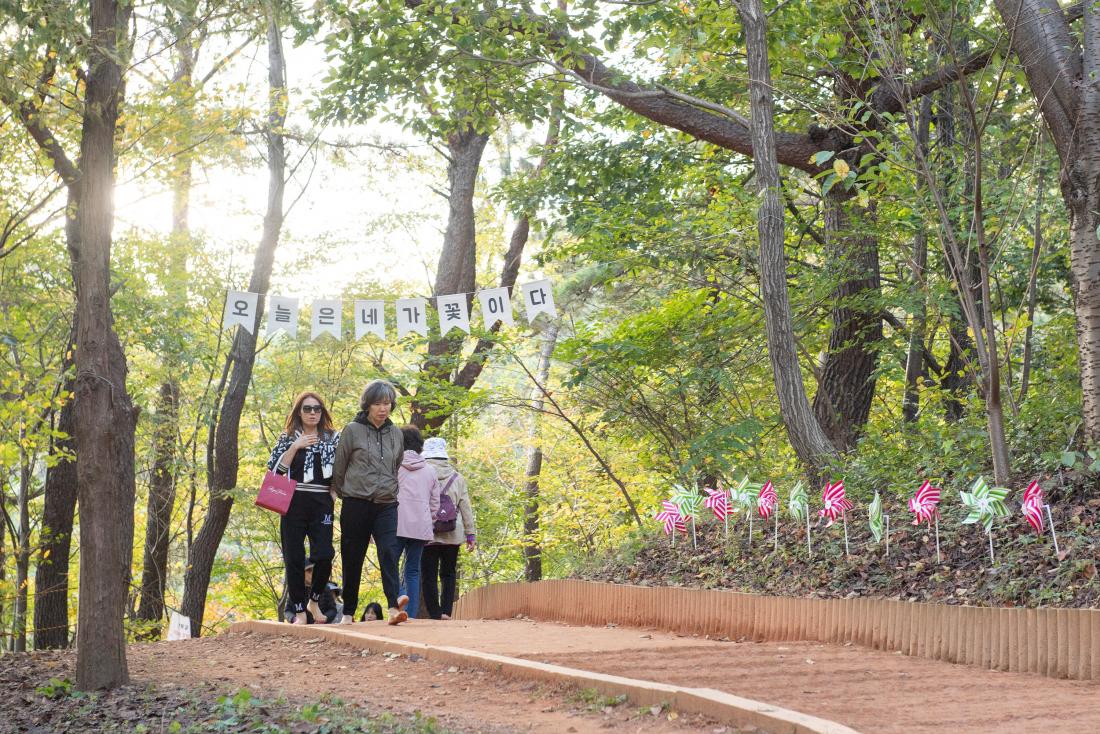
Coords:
305,440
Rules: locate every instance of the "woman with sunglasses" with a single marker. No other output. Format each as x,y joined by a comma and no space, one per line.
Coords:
306,451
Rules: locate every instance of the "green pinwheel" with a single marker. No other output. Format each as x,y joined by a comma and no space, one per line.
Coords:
874,517
743,496
798,504
985,503
689,500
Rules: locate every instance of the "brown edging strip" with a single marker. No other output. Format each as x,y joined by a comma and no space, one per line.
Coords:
724,707
1059,643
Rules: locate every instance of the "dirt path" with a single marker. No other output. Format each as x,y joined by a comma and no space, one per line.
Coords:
461,700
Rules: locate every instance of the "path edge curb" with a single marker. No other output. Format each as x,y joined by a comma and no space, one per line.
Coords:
724,707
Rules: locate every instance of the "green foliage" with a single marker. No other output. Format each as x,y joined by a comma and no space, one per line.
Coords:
55,688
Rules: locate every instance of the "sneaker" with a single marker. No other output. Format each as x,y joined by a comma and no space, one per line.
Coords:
444,616
315,610
347,619
399,616
402,601
300,618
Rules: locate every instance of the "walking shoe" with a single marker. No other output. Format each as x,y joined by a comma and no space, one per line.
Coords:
347,619
402,602
315,610
444,616
300,618
399,616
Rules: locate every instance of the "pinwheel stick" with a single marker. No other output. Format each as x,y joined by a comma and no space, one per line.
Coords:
694,544
990,533
887,518
726,520
844,519
1053,535
750,527
809,543
777,531
937,538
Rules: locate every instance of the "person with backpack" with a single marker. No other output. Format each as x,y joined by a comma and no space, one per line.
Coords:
454,525
417,507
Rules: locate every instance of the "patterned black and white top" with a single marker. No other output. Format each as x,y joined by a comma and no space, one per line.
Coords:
311,467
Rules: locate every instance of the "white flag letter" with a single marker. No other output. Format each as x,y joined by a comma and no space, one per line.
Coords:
412,315
326,319
495,306
538,297
370,318
240,308
282,314
452,313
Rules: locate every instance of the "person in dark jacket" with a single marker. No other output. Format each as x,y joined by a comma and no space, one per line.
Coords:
306,452
364,476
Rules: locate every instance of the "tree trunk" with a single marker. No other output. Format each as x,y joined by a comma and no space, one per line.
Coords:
846,388
456,273
1064,78
223,477
915,368
809,441
22,550
51,576
1032,284
105,417
532,538
162,487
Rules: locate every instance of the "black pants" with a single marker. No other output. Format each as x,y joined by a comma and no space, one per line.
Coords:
361,520
309,516
439,562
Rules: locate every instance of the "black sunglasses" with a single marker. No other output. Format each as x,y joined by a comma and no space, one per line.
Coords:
312,409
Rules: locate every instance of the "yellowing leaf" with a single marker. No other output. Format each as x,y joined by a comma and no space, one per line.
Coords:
841,167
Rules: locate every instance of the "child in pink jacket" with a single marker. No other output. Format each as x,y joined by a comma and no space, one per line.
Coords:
417,507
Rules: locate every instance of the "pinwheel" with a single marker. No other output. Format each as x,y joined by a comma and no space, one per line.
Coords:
672,519
1033,506
690,501
874,517
923,506
986,504
767,501
743,498
798,505
836,505
718,502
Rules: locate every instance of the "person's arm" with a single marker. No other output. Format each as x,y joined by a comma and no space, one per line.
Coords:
275,462
433,499
466,508
301,442
340,466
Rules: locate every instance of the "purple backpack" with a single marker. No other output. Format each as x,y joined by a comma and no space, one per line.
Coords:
447,518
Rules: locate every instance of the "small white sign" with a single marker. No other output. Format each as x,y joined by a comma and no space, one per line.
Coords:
453,313
179,627
240,310
412,315
326,319
495,306
370,318
538,297
282,314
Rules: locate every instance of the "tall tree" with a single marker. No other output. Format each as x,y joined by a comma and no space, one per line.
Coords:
1063,72
222,473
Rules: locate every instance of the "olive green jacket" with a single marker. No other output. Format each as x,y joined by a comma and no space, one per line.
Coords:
367,460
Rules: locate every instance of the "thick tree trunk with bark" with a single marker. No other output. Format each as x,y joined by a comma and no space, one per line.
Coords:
105,417
532,537
810,443
1064,77
456,272
846,387
51,576
223,476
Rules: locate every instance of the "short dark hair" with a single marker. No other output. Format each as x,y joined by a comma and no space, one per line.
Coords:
378,391
413,440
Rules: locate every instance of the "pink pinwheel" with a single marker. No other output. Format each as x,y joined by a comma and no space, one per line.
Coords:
836,504
767,501
923,503
671,517
1033,506
718,501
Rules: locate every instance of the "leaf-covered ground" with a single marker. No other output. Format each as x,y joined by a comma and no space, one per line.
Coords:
1026,571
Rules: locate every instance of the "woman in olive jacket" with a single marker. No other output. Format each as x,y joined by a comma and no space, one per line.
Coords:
364,476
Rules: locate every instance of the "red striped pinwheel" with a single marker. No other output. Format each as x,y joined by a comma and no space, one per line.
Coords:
767,501
671,517
836,504
1033,506
923,503
718,501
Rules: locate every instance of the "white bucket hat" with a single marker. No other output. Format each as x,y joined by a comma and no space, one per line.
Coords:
435,448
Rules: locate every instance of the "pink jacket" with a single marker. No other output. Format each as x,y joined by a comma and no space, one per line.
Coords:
417,498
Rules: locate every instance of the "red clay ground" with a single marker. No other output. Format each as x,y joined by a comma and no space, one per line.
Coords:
868,690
